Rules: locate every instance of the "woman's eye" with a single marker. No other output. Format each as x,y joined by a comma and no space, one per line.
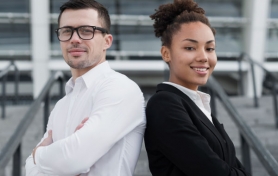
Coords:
210,49
189,48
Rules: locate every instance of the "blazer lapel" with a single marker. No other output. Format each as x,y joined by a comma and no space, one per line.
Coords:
218,126
194,107
228,143
210,126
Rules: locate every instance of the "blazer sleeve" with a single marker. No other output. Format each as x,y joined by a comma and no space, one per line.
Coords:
179,140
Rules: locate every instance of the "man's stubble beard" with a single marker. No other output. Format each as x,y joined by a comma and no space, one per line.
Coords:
82,63
79,65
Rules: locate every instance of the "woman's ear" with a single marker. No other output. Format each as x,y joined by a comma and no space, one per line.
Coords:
165,53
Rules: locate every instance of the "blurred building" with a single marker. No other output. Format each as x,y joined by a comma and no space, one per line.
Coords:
251,26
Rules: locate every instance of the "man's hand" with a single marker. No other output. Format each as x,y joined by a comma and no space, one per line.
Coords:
47,141
81,124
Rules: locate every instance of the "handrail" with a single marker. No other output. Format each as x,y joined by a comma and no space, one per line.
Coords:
12,147
3,75
248,138
246,57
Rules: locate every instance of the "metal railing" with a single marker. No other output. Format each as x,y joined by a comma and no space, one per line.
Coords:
3,76
273,77
13,146
247,137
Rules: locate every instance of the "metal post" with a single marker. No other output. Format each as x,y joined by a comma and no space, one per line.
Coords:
213,102
2,172
4,79
245,152
46,111
240,74
256,103
116,26
17,161
275,101
16,77
61,83
166,72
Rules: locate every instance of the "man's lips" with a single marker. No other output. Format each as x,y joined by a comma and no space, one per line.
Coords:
76,51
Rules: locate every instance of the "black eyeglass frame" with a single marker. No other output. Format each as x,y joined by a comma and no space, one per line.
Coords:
104,31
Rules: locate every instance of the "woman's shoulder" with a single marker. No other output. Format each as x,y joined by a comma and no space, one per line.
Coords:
169,92
162,96
163,100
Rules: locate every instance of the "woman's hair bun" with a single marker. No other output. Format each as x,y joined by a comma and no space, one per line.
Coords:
167,13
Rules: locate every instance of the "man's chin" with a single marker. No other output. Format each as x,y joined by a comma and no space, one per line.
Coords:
76,65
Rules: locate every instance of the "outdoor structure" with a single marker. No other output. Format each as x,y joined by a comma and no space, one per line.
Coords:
27,35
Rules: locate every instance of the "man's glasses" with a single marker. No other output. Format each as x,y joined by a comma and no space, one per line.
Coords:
84,32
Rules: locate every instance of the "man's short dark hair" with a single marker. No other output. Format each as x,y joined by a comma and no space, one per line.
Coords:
87,4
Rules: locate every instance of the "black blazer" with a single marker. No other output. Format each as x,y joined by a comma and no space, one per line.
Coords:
181,141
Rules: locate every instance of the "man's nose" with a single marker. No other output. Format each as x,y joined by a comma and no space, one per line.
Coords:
75,38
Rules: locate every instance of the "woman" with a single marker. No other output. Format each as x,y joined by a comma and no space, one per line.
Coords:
182,138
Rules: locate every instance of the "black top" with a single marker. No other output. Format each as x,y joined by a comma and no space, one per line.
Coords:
181,141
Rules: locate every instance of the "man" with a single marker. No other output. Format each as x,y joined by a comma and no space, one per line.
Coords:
108,141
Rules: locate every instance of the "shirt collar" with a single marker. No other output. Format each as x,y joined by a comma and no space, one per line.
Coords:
193,95
69,85
205,97
89,77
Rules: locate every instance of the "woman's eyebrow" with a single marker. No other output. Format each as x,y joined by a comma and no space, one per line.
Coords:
195,41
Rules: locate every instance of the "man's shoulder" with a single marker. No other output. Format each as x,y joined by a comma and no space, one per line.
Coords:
118,87
114,74
118,79
60,101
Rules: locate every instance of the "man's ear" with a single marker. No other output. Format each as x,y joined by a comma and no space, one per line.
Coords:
165,53
108,41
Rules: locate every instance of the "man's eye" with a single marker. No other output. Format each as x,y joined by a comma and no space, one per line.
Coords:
87,31
66,31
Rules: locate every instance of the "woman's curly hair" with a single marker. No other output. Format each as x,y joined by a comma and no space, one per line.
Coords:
169,17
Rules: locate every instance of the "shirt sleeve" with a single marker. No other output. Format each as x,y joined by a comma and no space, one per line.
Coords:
32,169
118,109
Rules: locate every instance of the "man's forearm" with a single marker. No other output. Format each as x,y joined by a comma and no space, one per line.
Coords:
31,169
99,134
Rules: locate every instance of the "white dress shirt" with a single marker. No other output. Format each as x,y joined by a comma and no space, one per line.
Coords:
110,141
201,99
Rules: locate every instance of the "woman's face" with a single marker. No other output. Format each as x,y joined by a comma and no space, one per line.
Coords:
191,56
